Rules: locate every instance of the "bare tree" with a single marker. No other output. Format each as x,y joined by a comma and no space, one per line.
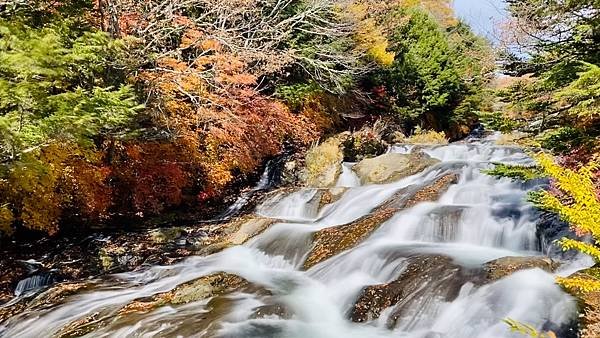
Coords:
267,35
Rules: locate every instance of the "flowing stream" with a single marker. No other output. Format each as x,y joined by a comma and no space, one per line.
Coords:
477,220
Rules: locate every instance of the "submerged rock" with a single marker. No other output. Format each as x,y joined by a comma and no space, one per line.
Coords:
425,277
392,167
51,297
274,310
331,241
329,196
502,267
193,291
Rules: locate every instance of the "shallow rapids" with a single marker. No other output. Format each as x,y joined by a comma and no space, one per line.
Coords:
477,220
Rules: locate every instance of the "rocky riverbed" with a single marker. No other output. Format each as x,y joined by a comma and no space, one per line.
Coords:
416,241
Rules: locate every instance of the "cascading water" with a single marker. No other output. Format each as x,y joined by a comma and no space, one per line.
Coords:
477,220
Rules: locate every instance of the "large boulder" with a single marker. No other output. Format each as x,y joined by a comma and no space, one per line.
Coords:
425,278
392,167
505,266
331,241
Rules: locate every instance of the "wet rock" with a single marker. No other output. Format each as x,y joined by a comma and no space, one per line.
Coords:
81,327
392,167
161,236
425,277
235,232
51,297
273,310
433,191
502,267
193,291
551,228
71,259
331,241
329,196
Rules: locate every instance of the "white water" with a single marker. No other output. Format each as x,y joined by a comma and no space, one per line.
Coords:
475,221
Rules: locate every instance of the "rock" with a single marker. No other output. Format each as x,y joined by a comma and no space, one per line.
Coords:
161,236
502,267
277,310
589,303
365,143
331,241
235,232
425,277
193,291
392,167
82,326
53,296
551,228
329,196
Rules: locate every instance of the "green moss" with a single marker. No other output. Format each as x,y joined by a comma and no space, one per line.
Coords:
516,172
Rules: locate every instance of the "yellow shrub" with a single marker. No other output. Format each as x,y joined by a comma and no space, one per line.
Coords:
580,208
323,163
427,137
579,284
324,155
6,219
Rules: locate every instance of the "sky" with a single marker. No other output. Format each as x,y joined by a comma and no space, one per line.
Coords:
484,16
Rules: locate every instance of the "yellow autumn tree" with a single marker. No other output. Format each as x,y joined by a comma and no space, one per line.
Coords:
577,204
369,36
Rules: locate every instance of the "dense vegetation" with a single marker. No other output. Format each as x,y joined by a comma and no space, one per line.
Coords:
125,110
554,98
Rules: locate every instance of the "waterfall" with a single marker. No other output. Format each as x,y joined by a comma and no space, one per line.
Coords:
477,220
265,182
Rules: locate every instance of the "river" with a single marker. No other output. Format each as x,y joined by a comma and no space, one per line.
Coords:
476,220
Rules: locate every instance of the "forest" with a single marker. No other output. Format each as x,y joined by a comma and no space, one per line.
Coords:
449,182
114,112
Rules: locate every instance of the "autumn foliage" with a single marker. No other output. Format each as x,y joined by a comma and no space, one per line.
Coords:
132,109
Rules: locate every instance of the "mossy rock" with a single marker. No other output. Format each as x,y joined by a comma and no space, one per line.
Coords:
506,266
192,291
362,145
392,167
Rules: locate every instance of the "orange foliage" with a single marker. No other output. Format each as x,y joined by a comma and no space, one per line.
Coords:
38,185
211,100
150,177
